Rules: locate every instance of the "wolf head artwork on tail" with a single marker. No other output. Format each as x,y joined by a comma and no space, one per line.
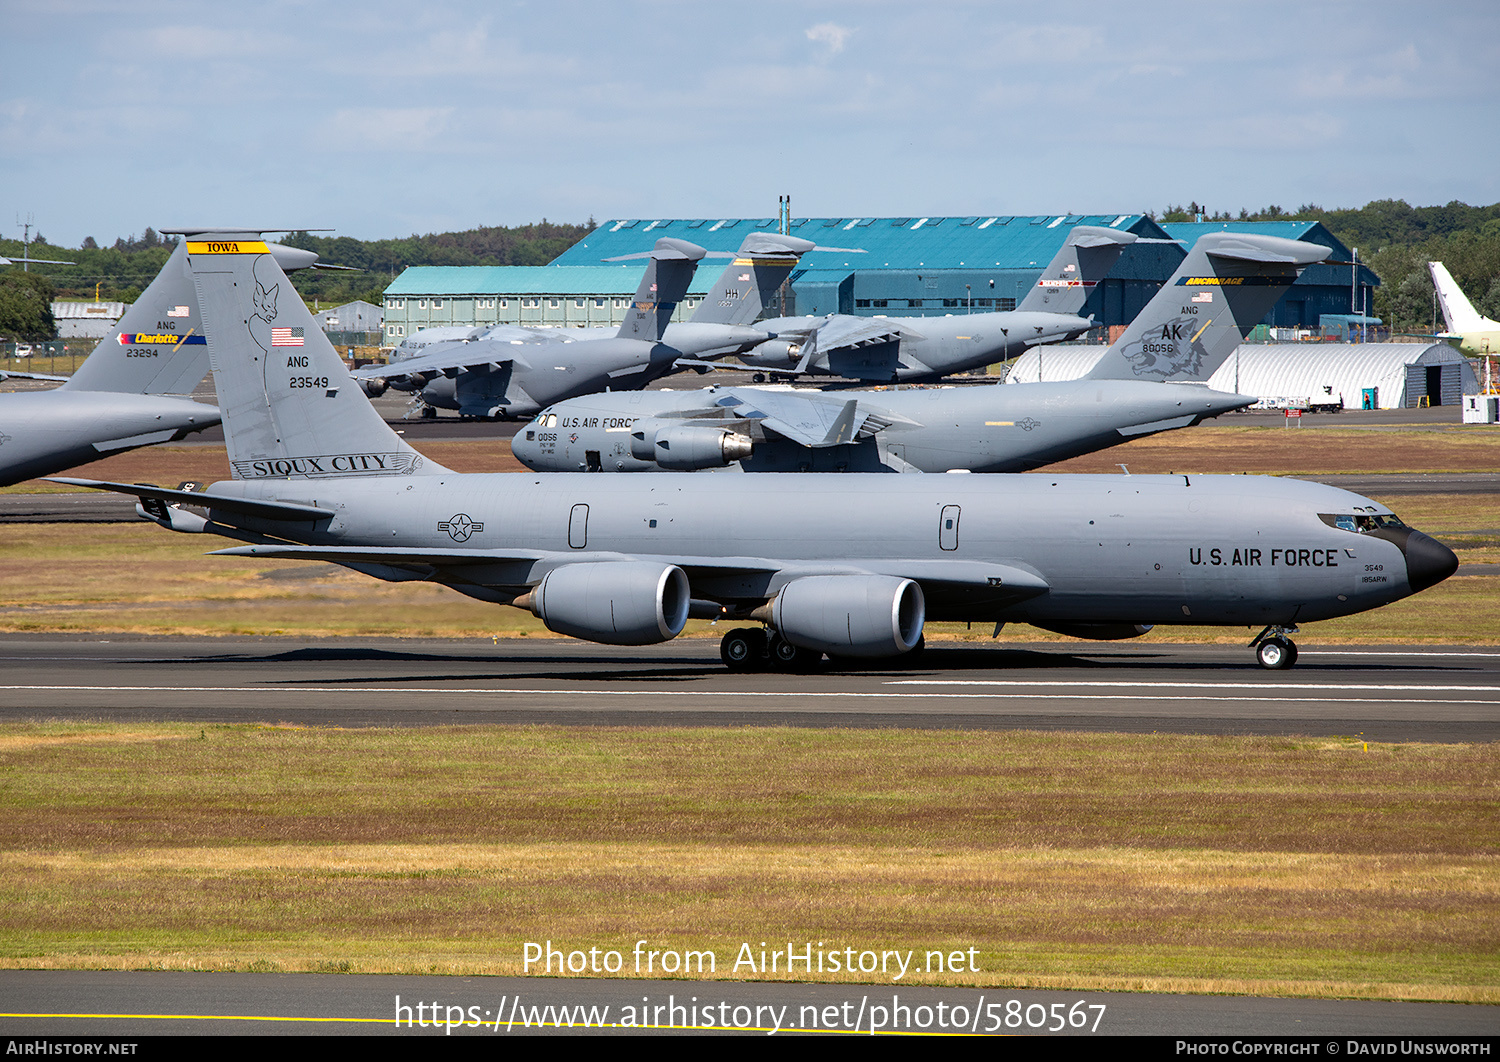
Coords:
1225,286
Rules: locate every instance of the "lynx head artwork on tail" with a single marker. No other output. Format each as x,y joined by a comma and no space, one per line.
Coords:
290,408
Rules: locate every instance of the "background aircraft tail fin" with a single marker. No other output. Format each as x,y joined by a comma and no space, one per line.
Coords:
668,275
1089,253
1458,311
158,348
289,408
1225,286
757,270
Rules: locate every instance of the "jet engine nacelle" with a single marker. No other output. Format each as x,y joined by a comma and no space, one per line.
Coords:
1099,632
850,615
616,603
774,354
374,388
684,447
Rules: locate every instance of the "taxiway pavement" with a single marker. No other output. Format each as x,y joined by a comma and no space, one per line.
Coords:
1394,693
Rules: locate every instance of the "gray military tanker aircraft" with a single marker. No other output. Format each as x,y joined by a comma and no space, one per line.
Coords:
1178,340
125,394
509,372
847,565
919,349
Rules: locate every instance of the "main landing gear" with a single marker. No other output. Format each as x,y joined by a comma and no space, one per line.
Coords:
1273,649
754,649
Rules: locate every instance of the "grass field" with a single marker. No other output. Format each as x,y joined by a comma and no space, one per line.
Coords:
1160,862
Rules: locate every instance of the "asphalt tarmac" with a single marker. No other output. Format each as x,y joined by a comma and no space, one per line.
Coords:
71,1005
1433,694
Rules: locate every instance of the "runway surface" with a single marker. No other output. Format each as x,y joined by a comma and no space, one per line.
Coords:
1447,694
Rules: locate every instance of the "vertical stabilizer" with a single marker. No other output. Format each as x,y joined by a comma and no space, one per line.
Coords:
668,275
1225,286
289,408
157,348
757,271
1458,311
1087,256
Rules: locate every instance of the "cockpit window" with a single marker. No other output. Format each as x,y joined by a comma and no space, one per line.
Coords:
1362,523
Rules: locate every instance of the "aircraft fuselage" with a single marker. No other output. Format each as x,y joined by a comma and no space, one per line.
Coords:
42,432
1105,549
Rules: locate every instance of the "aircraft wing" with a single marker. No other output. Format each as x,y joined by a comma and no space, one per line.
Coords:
809,418
843,330
938,578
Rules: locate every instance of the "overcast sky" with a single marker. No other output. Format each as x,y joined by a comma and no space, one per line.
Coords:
383,119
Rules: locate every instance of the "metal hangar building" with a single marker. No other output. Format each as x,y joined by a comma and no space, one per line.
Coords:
898,267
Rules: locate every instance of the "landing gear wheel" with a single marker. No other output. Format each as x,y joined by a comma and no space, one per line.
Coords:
743,649
785,656
1276,654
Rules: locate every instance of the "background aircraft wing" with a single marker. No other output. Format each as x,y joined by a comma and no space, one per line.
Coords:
448,359
846,331
812,419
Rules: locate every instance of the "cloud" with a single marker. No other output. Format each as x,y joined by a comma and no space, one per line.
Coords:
830,35
367,128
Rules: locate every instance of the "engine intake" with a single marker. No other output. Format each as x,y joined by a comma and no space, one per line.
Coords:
615,603
684,447
849,615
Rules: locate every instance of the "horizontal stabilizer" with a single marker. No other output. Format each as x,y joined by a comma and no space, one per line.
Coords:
1269,249
265,510
8,375
384,554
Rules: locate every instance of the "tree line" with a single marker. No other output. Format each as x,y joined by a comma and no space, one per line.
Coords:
122,270
1395,239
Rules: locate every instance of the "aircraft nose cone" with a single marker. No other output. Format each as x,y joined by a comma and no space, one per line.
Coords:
1228,403
1428,561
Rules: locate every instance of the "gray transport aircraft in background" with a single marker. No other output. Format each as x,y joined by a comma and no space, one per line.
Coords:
130,392
1152,379
511,372
849,565
919,349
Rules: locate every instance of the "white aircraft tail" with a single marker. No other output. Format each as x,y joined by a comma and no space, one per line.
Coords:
290,409
1225,286
1458,311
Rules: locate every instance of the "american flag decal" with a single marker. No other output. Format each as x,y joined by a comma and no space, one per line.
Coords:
286,337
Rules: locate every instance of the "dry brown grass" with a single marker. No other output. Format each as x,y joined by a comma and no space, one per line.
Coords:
1162,862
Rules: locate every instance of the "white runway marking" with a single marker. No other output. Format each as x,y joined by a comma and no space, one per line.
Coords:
1320,686
493,691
